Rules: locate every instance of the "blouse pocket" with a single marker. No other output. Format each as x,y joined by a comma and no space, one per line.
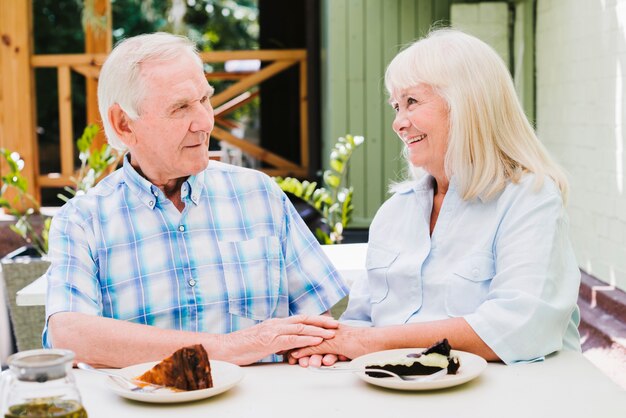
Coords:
252,270
378,262
468,286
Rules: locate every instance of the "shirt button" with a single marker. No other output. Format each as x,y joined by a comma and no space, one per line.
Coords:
151,203
475,272
181,228
192,282
155,193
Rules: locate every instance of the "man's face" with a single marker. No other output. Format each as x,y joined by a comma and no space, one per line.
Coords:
171,135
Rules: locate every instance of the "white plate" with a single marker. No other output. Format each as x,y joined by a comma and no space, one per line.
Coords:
471,366
225,376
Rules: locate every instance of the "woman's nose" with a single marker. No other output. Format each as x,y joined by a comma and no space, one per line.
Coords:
400,122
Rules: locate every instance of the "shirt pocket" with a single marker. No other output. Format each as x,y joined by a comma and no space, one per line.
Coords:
377,263
252,270
468,286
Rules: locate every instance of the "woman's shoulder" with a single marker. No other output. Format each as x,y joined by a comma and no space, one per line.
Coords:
531,184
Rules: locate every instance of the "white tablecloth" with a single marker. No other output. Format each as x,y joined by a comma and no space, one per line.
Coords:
565,385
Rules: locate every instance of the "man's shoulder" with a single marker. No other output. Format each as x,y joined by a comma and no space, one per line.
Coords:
242,177
86,202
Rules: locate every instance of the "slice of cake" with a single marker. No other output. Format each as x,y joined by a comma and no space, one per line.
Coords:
429,361
187,369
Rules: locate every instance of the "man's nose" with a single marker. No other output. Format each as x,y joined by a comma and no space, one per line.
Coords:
203,119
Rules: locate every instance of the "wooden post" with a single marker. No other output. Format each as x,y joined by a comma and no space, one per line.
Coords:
97,40
17,87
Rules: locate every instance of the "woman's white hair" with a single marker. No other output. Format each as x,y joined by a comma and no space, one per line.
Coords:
490,139
120,77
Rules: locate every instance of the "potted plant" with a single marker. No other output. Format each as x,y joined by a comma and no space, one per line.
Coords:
24,265
327,210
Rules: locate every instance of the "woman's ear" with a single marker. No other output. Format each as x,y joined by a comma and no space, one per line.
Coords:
120,122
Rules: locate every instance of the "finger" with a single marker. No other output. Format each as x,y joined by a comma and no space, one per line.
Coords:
309,351
304,362
329,359
322,321
289,342
301,329
315,360
291,360
342,358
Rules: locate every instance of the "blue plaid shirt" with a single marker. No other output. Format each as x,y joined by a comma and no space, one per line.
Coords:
236,255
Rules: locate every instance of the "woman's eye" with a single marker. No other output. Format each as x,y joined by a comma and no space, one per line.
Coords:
396,108
410,101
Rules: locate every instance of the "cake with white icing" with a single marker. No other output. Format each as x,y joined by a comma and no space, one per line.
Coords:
429,361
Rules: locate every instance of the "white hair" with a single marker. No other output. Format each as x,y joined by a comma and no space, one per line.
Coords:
490,139
120,77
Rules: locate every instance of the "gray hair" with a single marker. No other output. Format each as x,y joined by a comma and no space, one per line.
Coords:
490,139
120,80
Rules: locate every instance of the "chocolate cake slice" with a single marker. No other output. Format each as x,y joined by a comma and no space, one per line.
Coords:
429,361
187,369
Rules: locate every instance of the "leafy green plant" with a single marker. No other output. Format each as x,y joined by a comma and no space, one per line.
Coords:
13,179
334,199
94,163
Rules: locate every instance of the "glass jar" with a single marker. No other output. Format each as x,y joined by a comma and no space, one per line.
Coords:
40,383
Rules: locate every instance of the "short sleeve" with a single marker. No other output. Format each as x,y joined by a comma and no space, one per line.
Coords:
531,302
72,276
314,283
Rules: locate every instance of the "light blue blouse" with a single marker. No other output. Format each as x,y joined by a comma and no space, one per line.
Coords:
505,265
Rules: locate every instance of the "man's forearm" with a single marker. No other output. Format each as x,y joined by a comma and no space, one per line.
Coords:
106,342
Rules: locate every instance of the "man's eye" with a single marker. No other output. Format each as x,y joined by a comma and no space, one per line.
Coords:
204,99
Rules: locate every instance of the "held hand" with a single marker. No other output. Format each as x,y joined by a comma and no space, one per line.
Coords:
348,343
278,334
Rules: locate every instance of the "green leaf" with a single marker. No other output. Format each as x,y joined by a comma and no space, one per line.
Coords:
336,165
331,179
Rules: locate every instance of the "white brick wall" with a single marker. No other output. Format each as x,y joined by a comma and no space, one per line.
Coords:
581,113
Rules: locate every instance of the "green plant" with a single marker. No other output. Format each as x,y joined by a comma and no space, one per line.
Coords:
13,180
94,163
334,199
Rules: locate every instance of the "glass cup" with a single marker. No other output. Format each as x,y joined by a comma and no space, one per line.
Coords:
40,383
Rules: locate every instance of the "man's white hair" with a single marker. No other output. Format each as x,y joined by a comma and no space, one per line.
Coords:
490,139
120,77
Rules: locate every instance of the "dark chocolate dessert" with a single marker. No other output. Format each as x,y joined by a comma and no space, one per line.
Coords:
186,369
429,361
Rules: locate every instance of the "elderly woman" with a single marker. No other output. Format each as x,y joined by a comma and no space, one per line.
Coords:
475,249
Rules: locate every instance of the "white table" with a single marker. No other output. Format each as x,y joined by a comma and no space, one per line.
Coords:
349,259
565,385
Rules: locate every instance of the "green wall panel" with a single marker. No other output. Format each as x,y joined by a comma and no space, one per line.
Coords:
359,38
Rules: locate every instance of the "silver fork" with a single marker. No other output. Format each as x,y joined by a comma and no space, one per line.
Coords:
408,378
133,385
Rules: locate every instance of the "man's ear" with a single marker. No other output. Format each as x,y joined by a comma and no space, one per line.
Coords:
120,122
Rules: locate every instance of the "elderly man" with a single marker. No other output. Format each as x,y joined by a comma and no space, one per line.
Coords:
172,250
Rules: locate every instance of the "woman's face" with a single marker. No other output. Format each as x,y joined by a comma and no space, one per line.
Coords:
422,124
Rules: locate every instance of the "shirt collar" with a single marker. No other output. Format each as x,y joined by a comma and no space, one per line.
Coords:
149,194
423,184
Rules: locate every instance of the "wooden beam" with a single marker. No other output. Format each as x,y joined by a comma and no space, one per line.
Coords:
246,83
97,40
254,150
54,60
262,55
66,130
304,117
17,88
